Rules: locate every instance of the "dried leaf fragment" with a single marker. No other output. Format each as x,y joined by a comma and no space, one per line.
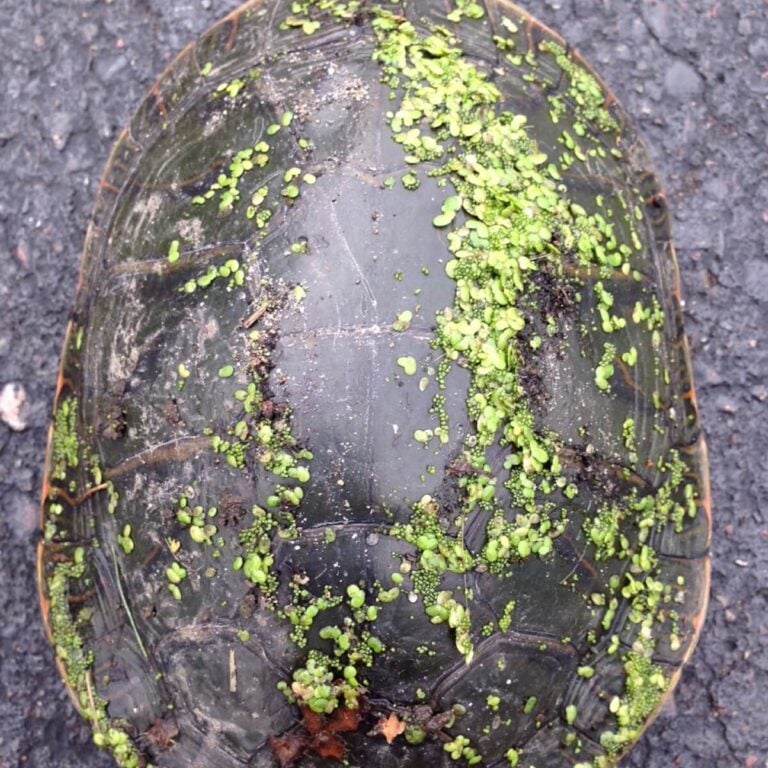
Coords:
390,727
313,722
328,745
344,720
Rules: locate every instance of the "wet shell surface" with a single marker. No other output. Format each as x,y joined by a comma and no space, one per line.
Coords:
375,440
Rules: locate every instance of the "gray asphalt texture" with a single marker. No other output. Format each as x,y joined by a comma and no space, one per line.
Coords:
695,77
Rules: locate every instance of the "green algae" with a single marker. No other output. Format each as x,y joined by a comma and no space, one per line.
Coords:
586,95
65,445
125,540
335,676
460,748
495,252
77,660
257,558
408,364
645,684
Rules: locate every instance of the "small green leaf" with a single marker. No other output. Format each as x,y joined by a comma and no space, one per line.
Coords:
443,219
408,364
173,252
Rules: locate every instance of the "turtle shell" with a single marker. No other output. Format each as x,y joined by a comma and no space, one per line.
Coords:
375,438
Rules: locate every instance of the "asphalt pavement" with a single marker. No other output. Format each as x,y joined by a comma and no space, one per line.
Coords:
692,73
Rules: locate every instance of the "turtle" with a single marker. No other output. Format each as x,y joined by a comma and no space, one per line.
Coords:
375,440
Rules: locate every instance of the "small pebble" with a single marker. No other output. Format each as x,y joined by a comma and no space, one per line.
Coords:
12,400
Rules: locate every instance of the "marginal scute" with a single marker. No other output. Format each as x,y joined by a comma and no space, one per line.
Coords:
375,420
556,745
676,630
516,670
567,578
164,98
223,684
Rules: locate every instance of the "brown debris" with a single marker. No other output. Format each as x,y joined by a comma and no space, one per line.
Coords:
268,409
112,416
171,413
328,745
312,721
288,748
231,509
315,734
344,720
162,733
